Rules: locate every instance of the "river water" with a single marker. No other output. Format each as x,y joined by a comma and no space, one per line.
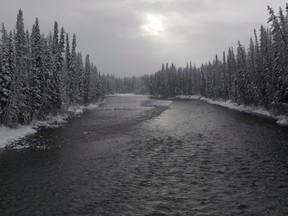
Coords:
129,158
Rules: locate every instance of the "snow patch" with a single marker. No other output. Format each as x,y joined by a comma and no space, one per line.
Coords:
93,106
187,97
61,119
52,122
125,95
163,103
75,110
8,135
78,110
282,120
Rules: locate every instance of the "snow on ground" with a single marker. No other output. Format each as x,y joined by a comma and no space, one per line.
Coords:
9,135
188,97
78,110
58,120
241,108
281,120
124,95
52,121
163,103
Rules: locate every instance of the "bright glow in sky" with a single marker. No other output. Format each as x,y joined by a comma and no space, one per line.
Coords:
154,25
134,37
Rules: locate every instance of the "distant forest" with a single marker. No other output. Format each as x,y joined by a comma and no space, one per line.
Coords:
256,76
41,75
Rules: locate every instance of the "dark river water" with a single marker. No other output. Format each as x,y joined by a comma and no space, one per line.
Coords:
129,159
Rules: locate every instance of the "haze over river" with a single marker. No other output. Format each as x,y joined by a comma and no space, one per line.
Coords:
130,157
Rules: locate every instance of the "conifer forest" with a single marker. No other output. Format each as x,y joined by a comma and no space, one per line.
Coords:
257,75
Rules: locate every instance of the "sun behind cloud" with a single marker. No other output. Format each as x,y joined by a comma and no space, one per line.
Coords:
153,25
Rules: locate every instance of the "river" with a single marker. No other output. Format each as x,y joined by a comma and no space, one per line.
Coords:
129,158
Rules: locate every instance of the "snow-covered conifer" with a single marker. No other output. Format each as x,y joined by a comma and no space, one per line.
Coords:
57,62
72,73
11,110
86,80
21,75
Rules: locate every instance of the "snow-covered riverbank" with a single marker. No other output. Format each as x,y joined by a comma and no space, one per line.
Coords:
280,119
9,135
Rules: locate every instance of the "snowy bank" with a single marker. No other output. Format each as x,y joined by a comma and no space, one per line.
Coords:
281,119
156,103
187,97
61,119
124,95
8,135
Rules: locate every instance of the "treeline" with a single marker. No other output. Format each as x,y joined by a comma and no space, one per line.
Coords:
42,75
136,85
255,76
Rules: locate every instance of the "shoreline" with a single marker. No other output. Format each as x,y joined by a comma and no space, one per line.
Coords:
10,135
281,120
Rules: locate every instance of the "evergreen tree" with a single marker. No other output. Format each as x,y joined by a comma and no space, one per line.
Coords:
66,73
280,37
86,80
72,73
11,109
6,72
37,75
266,82
80,76
21,75
63,64
57,63
47,80
224,83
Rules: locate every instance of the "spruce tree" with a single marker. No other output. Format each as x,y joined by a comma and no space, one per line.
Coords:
87,80
80,76
224,83
66,72
72,73
47,79
37,74
57,62
6,72
12,109
21,75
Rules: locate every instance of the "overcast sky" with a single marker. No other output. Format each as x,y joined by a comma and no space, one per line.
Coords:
133,37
